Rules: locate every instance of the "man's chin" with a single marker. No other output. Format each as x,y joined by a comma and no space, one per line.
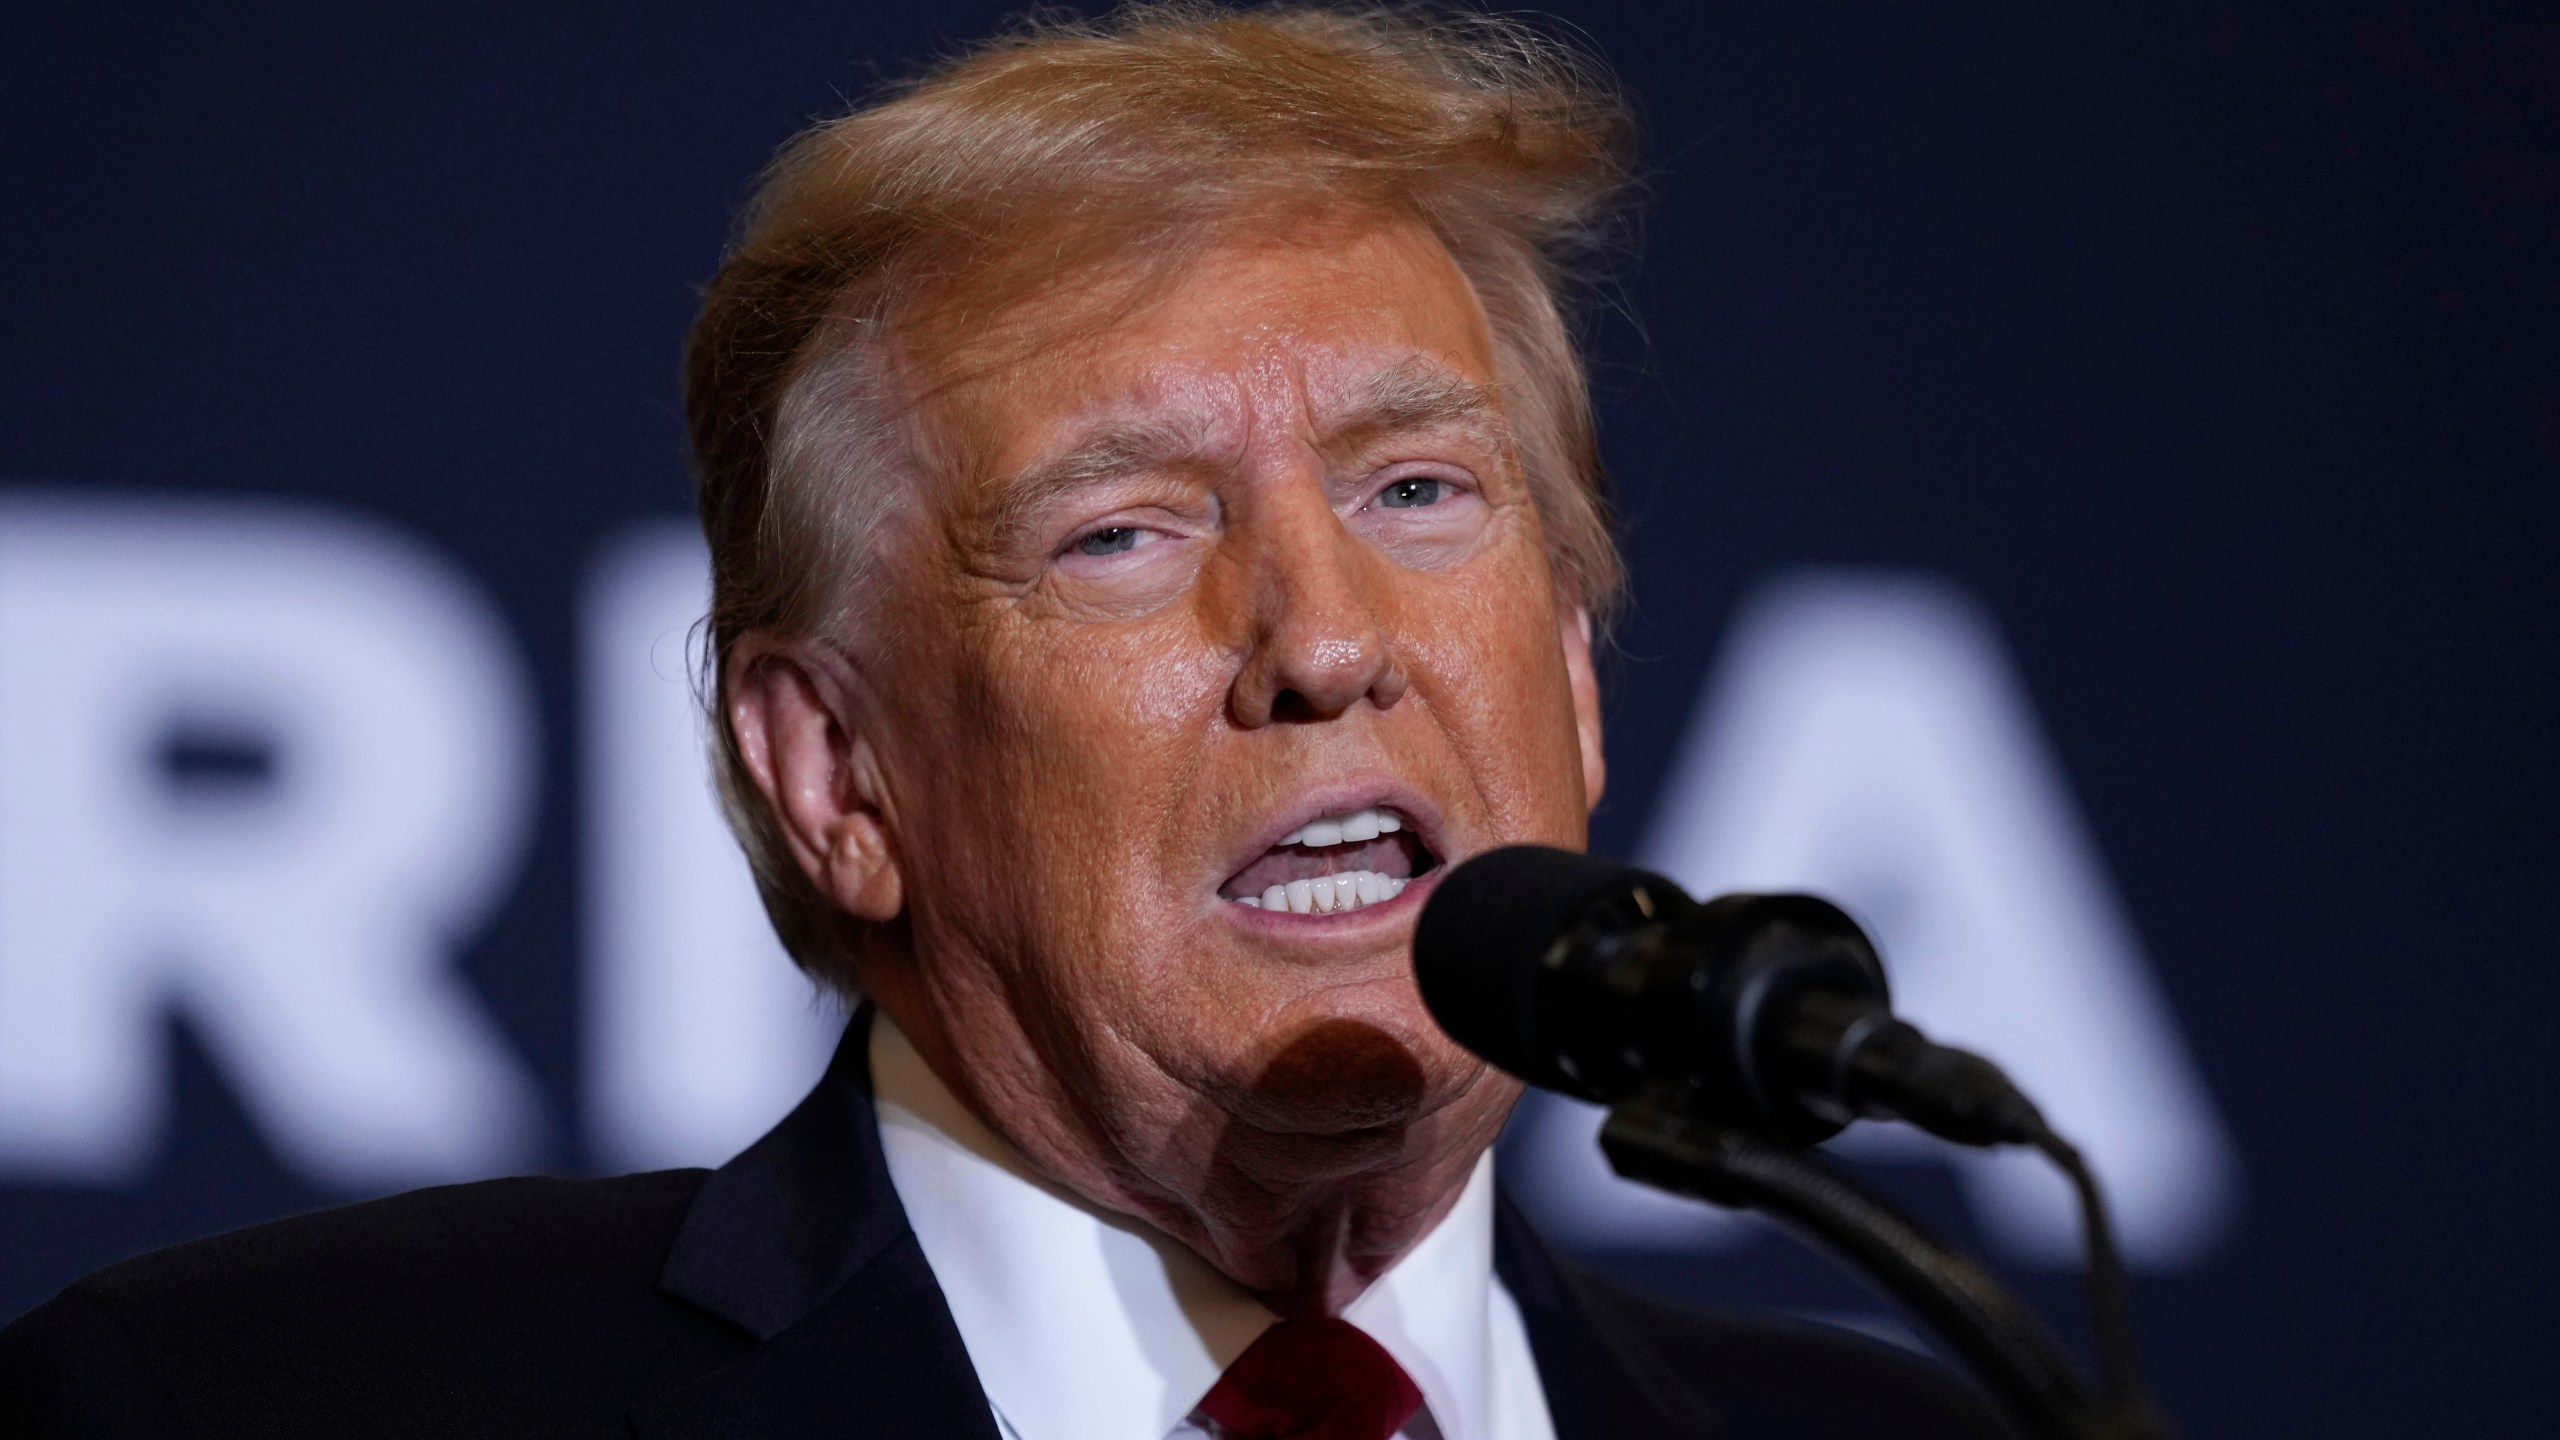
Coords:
1343,1101
1353,1076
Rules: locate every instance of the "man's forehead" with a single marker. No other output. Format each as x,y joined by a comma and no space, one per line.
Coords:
1332,396
1310,313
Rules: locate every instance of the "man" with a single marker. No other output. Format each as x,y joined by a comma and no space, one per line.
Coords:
1155,531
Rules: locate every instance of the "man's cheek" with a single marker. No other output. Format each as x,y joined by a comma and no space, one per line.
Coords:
1495,590
1118,694
1487,638
1044,707
1175,681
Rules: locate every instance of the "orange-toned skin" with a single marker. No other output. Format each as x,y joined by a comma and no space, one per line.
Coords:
1073,715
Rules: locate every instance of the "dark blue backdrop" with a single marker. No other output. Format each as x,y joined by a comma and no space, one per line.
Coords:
2215,352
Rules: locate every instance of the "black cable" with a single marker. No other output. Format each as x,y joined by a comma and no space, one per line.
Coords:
2129,1409
2027,1373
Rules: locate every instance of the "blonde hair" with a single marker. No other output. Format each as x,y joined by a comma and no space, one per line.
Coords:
1063,145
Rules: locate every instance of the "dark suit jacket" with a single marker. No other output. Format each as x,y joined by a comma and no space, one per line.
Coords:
781,1295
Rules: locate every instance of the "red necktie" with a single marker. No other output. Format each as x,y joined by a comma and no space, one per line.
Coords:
1312,1380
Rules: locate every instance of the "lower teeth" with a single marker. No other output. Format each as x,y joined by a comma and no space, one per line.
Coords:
1328,894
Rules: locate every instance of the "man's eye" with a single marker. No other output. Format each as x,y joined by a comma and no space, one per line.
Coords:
1110,541
1409,493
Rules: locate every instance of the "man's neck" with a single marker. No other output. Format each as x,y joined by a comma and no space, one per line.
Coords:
1071,1310
1305,1221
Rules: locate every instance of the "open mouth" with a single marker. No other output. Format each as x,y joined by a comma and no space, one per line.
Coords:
1334,863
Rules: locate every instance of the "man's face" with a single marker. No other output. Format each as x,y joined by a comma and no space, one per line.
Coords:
1254,554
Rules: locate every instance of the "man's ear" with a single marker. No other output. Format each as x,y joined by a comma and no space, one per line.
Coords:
1585,679
792,713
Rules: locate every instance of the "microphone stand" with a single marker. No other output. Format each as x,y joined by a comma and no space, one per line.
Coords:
1658,1141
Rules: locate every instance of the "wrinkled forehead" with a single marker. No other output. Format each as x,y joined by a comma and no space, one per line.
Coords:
1324,396
1321,330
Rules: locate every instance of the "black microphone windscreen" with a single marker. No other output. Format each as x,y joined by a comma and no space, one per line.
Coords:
1478,947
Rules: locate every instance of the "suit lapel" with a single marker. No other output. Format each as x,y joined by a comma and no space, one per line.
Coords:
1600,1383
801,1242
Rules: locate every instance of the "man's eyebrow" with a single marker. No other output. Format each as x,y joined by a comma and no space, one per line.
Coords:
1412,396
1418,395
1110,451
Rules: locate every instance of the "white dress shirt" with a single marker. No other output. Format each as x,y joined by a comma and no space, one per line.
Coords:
1089,1326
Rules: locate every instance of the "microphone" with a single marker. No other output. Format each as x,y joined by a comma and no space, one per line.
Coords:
1726,1033
1769,1013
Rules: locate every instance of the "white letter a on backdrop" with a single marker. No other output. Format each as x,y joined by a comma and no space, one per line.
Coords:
1866,737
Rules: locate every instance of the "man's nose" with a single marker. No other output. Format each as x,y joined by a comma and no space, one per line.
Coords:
1318,640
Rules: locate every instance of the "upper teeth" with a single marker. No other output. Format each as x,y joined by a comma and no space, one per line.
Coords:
1357,826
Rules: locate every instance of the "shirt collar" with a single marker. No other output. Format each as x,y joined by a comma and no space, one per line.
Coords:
1084,1325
